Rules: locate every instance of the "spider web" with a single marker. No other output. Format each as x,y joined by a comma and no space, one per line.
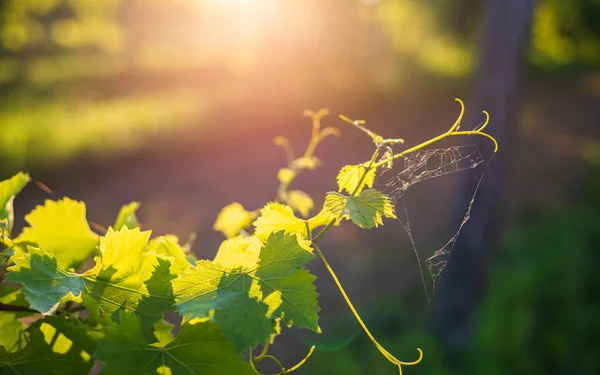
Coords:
421,166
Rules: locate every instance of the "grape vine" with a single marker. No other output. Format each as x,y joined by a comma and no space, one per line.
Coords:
113,312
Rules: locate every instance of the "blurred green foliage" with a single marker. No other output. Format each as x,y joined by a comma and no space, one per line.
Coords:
540,316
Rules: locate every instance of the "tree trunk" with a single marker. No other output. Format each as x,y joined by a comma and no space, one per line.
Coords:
505,33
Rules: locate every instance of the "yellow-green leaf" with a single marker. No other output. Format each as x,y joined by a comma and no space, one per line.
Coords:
56,345
246,301
61,228
169,247
127,217
232,219
125,277
350,175
276,216
239,252
10,322
8,190
300,201
321,219
365,209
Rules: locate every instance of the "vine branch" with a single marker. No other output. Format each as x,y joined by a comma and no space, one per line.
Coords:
15,308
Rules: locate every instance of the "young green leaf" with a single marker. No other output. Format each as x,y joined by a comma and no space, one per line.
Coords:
300,201
127,217
239,252
10,322
365,209
232,219
276,216
198,349
56,346
163,331
168,246
246,300
8,190
350,175
125,277
61,228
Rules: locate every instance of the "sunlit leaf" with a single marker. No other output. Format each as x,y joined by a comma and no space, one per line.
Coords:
198,349
61,228
125,277
57,346
8,190
10,322
239,252
366,209
321,219
127,217
232,219
300,201
350,175
275,217
169,247
163,331
246,300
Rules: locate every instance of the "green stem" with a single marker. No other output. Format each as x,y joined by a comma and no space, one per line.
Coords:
381,349
261,357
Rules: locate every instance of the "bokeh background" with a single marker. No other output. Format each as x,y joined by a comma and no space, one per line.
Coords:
174,103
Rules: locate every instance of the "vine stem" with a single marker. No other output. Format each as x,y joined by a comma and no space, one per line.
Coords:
453,131
16,308
383,351
283,370
373,165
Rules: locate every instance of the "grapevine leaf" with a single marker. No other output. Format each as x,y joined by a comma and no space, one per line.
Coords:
246,300
61,228
350,176
163,331
56,346
45,283
365,209
8,190
232,219
239,252
10,322
198,349
276,216
300,201
127,217
125,278
168,246
321,219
